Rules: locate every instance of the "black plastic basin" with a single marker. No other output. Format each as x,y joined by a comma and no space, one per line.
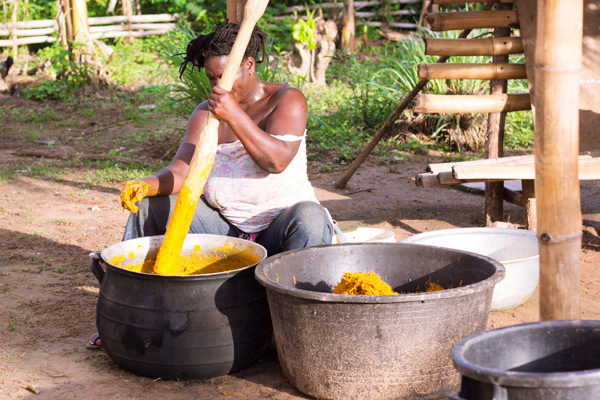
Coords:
557,360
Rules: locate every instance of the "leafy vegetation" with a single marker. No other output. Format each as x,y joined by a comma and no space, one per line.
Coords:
363,90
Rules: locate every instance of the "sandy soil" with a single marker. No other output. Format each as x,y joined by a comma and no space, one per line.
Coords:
48,293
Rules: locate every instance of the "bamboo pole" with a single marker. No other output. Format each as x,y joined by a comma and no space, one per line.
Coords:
464,104
473,47
472,19
204,154
496,71
494,191
557,72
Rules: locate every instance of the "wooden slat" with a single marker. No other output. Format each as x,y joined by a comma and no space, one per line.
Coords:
473,47
430,103
437,167
472,20
589,170
27,40
124,33
472,71
528,159
468,1
40,23
134,19
28,32
151,27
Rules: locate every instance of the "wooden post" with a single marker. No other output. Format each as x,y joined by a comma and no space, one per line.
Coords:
558,55
348,26
66,9
494,191
128,13
235,10
529,204
15,8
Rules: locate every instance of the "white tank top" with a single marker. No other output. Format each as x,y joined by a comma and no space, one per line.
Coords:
249,197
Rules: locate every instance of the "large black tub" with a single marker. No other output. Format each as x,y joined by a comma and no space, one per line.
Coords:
185,327
376,347
550,360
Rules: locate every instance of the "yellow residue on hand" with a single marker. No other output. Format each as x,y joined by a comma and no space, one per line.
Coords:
363,283
133,192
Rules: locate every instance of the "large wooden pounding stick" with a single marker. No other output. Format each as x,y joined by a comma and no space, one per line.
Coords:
204,155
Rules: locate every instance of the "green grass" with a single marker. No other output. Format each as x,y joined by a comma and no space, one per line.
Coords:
6,174
116,172
35,116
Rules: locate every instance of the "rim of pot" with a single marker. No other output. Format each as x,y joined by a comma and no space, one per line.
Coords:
213,275
524,379
495,278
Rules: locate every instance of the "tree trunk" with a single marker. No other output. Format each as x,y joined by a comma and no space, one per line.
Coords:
348,26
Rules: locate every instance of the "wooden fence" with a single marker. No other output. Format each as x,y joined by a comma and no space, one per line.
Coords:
369,12
43,31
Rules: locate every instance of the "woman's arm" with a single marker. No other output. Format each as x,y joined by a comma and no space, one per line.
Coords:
286,114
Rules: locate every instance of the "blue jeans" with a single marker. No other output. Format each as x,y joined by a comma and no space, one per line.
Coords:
304,224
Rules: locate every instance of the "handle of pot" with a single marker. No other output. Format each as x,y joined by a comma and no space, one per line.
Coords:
499,394
96,267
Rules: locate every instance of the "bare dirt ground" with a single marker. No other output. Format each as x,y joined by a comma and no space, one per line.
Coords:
51,223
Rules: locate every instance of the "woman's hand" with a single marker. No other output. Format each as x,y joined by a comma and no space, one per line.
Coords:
133,191
223,104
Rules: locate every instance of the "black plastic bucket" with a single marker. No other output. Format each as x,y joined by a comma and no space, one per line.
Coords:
557,360
184,327
334,346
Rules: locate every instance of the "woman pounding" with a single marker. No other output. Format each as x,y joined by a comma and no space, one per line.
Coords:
258,188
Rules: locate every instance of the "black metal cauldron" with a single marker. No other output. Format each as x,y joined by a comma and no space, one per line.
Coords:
186,327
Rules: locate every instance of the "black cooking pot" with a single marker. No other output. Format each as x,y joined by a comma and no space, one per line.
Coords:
186,327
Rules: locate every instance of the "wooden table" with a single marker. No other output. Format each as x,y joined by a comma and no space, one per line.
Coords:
502,169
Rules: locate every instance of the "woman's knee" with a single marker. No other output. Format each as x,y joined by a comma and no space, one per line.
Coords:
312,219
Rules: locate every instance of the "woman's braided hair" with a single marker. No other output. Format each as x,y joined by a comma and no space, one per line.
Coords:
219,43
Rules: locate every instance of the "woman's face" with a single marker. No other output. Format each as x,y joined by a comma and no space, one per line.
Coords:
214,67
